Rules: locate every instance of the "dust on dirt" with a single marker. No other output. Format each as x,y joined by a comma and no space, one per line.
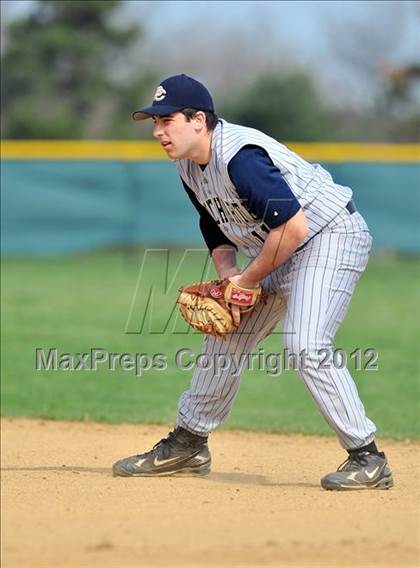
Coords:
261,505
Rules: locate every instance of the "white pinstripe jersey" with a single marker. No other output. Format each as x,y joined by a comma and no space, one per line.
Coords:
318,195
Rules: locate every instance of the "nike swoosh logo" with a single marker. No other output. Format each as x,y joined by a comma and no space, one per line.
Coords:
157,462
371,474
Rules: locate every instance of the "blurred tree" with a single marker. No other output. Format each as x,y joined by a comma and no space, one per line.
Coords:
285,107
372,56
400,79
60,72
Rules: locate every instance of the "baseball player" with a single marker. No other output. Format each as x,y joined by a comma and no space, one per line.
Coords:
307,246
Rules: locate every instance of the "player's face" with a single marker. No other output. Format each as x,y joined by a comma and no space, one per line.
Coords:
177,137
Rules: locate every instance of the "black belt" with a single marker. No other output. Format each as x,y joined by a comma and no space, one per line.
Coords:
351,207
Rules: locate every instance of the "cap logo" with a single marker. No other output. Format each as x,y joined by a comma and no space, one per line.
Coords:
160,94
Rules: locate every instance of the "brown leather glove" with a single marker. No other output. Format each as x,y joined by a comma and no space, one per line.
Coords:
206,306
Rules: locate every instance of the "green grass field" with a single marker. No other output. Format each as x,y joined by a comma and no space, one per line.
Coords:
84,301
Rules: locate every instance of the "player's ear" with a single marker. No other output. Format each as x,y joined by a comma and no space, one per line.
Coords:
200,119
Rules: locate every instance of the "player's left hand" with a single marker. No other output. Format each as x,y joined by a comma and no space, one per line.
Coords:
215,306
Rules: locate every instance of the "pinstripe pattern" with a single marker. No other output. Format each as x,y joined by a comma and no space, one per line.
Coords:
312,290
321,198
204,406
317,284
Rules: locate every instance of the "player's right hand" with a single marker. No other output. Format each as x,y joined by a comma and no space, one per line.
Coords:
236,315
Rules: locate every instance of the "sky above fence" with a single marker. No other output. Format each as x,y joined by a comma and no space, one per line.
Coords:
222,41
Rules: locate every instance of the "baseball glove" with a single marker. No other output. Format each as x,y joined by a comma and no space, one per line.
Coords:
206,306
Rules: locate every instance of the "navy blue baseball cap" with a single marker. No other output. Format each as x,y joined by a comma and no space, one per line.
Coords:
175,94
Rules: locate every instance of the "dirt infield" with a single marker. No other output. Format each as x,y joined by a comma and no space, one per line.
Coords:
261,505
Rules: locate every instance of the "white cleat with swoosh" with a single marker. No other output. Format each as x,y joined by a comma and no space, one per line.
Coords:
361,470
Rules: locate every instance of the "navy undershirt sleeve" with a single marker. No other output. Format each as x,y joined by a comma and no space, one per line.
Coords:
212,234
261,186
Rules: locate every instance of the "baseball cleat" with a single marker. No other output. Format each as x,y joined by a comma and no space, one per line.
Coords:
180,453
361,470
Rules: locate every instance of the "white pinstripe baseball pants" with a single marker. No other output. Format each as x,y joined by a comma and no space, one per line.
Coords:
317,283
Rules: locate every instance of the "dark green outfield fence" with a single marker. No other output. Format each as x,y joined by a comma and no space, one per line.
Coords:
56,206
